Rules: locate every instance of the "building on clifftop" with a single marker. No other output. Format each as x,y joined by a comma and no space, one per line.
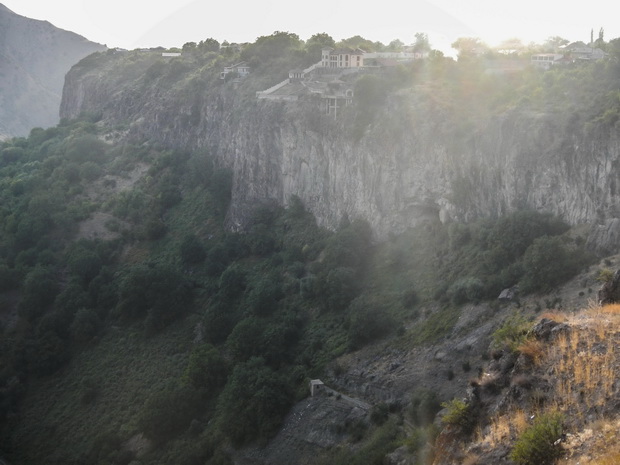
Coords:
342,57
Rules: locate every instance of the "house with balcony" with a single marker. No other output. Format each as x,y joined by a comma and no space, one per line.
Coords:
342,57
547,60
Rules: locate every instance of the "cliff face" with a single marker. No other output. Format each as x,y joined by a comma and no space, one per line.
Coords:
410,161
35,57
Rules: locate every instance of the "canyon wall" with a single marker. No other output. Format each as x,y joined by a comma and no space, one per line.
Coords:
406,161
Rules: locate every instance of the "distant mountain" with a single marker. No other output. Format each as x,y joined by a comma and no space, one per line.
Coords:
34,58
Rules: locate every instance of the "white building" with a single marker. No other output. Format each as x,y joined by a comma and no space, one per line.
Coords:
342,58
546,60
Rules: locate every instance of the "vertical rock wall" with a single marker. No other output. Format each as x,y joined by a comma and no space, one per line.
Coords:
409,164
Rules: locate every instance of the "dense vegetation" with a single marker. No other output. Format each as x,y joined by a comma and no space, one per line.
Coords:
162,322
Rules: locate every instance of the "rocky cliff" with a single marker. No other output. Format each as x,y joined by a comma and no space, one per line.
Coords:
34,56
411,157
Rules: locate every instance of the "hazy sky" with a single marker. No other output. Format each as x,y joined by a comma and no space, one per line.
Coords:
141,23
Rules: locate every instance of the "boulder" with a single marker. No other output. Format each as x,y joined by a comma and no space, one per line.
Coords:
547,329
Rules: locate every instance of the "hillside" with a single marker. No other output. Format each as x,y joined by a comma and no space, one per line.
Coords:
166,297
552,396
35,57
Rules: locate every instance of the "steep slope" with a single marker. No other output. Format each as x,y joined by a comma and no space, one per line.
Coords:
34,57
553,395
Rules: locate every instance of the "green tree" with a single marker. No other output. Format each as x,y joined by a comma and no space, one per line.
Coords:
317,42
38,292
548,262
358,41
469,47
85,148
422,43
192,251
209,45
263,297
233,281
84,263
206,369
253,402
338,287
86,324
158,291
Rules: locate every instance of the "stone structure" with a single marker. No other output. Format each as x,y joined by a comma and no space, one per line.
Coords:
316,387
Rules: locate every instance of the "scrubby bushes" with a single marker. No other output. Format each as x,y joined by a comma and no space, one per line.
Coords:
466,290
253,401
206,369
169,412
548,262
525,247
512,333
458,413
157,291
540,443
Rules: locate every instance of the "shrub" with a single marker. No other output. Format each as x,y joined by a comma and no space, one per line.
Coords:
512,333
9,278
219,321
38,292
159,291
466,290
539,444
232,281
167,413
459,413
85,325
192,251
253,402
263,298
84,263
206,369
605,275
339,286
548,262
379,413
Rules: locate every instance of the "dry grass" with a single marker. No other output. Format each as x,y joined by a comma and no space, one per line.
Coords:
584,366
596,445
581,366
613,309
504,428
558,317
532,349
471,459
611,458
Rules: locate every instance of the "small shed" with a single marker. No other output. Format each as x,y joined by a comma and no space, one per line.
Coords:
316,387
